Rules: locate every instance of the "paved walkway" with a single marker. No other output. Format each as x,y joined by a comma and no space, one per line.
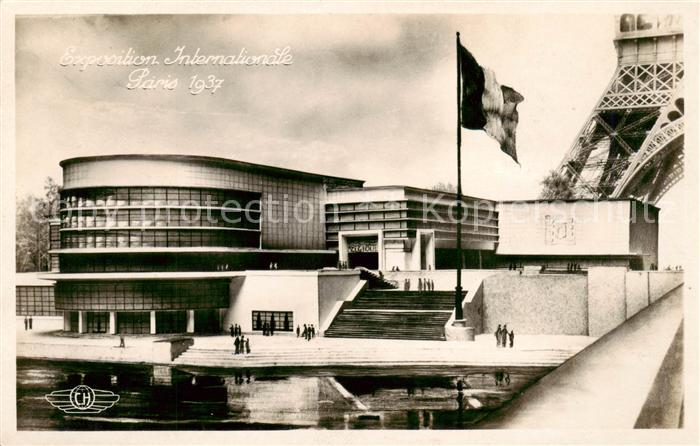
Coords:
607,385
288,350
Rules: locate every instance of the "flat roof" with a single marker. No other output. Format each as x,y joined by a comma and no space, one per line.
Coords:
575,200
224,162
32,279
408,188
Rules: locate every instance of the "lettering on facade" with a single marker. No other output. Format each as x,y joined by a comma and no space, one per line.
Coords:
559,230
362,246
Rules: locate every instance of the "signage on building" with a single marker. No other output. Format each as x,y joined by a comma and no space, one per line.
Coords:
559,230
362,246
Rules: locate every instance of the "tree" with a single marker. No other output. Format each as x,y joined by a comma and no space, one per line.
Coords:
32,222
556,186
445,187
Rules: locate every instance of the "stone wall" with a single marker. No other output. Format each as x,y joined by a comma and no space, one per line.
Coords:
606,299
540,304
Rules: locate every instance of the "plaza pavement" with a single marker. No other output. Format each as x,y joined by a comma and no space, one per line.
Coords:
45,342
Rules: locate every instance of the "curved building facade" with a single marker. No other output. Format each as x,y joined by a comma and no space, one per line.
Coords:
147,243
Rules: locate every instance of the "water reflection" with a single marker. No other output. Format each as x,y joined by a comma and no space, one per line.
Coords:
162,397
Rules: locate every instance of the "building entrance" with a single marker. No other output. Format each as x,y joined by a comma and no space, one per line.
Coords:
369,260
206,321
362,251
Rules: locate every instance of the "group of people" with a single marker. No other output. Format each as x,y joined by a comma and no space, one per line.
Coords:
424,284
307,333
235,330
342,264
222,267
27,323
501,377
571,267
273,265
512,266
503,336
268,328
242,345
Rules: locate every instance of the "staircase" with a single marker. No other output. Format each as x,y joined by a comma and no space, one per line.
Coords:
394,314
374,280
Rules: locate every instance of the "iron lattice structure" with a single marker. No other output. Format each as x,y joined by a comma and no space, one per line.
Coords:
632,143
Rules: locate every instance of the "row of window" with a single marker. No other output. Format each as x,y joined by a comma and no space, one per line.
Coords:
367,206
160,218
159,238
277,320
142,295
334,218
185,261
35,301
156,196
359,226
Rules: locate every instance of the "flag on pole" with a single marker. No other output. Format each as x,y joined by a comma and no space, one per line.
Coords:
487,105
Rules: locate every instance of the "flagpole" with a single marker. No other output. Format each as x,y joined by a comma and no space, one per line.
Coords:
458,288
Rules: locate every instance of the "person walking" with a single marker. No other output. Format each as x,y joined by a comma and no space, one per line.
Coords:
25,323
313,331
30,321
498,336
241,345
232,329
272,326
306,329
247,350
511,338
297,330
504,335
420,284
237,344
121,342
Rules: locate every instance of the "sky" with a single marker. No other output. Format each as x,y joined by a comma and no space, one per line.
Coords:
371,97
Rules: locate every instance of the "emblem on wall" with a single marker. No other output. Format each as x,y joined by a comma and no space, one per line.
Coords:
82,399
559,230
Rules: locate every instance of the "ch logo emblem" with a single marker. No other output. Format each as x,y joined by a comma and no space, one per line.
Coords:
82,399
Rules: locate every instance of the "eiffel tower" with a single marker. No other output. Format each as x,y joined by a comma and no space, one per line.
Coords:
632,143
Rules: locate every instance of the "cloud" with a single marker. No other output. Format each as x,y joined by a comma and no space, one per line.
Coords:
369,97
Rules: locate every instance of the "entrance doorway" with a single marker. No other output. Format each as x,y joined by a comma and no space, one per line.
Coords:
363,251
369,260
207,321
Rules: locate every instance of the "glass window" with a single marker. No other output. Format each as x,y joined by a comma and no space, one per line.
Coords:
135,196
159,196
122,196
148,196
278,320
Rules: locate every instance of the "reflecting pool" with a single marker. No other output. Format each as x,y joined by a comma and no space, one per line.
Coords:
163,397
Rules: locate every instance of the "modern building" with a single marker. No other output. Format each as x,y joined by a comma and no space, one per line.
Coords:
554,233
145,241
408,228
169,244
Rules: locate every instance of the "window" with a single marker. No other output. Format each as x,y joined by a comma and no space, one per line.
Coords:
280,320
97,322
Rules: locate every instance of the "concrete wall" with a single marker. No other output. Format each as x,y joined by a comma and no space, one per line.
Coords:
564,228
444,279
541,304
644,233
473,309
332,287
606,299
637,292
295,291
661,282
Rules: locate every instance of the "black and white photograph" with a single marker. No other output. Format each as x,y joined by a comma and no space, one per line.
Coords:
333,223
